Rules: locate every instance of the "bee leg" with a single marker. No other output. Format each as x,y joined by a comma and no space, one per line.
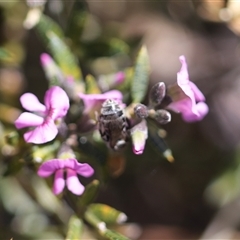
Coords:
104,135
119,144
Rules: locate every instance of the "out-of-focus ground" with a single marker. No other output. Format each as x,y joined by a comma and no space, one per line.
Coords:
198,194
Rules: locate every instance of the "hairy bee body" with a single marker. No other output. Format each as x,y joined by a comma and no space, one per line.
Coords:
113,125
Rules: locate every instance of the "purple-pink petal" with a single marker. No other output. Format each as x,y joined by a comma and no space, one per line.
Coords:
73,183
59,182
46,59
31,103
119,77
27,119
72,167
49,167
190,100
200,110
83,169
182,75
66,163
181,106
113,94
197,93
183,79
57,102
42,134
93,100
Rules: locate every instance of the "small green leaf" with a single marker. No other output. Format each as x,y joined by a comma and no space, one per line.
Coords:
63,56
75,228
140,76
107,214
44,152
118,46
76,21
158,143
91,85
12,138
112,235
46,24
5,55
225,189
91,218
52,35
89,193
100,226
53,73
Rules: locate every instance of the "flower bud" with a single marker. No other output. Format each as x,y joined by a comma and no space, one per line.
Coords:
139,135
141,111
162,116
157,93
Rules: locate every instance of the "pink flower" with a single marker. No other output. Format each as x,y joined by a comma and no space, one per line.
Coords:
44,128
94,101
72,167
187,98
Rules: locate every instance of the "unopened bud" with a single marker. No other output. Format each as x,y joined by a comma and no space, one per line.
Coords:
157,93
162,116
139,135
141,111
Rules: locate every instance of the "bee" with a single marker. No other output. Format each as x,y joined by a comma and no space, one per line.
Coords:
113,125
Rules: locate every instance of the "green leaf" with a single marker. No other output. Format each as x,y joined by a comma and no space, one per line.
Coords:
107,214
118,46
44,152
128,79
12,138
92,219
91,85
140,76
75,228
100,226
5,55
63,56
224,189
157,141
53,73
112,235
52,35
46,24
76,21
89,193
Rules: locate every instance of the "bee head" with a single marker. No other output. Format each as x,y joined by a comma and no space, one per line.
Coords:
110,106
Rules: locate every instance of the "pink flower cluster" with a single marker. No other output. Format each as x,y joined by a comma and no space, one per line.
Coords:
186,99
45,129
